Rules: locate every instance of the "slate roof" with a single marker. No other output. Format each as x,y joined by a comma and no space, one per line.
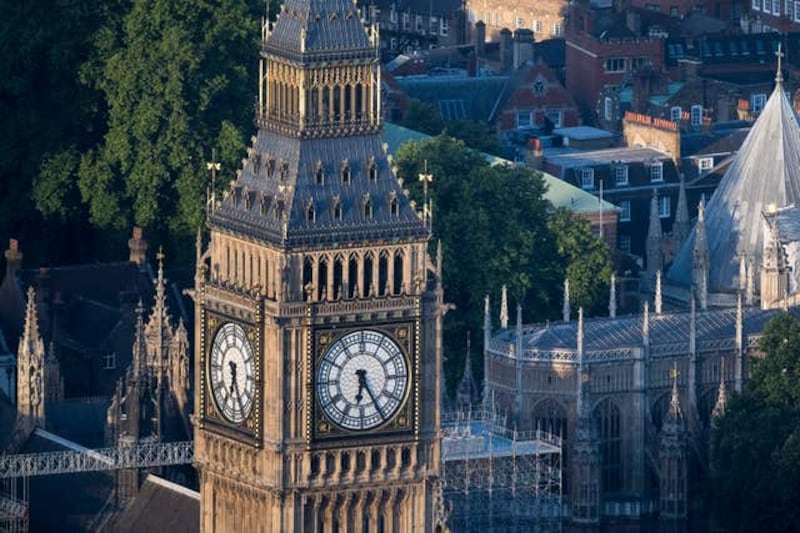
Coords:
477,96
625,332
278,183
161,506
765,171
330,26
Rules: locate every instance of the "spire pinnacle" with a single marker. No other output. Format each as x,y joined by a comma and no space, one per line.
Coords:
657,303
31,328
504,308
612,296
675,402
722,392
779,73
139,347
566,311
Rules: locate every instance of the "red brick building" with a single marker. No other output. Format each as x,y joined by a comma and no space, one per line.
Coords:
533,97
604,47
771,15
721,9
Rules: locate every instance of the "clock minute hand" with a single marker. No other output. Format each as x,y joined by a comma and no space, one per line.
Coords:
238,396
362,379
372,396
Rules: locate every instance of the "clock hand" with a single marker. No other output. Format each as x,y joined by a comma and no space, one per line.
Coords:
372,396
238,396
233,374
362,379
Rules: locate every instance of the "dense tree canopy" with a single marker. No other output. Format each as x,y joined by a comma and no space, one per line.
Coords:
755,452
493,224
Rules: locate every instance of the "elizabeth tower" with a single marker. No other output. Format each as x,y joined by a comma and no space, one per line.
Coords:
318,309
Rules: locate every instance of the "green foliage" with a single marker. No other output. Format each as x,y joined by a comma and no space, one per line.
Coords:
493,224
176,85
586,260
475,134
422,116
55,189
755,447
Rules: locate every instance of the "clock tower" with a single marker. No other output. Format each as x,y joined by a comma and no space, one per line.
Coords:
318,309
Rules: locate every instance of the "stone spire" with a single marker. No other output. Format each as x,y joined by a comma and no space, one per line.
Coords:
139,352
700,259
504,308
740,346
658,293
693,328
722,392
673,458
681,226
612,296
750,289
586,451
487,335
30,374
742,272
565,311
467,390
158,330
654,234
646,325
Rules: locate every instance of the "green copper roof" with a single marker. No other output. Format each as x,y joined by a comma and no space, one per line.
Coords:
559,192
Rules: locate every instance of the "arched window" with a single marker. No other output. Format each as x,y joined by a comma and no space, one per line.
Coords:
337,278
319,173
368,262
366,206
372,167
551,417
607,418
383,273
322,279
347,174
337,209
308,273
398,272
310,213
352,276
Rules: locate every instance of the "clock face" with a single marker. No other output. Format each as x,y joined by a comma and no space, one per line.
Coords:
232,373
362,380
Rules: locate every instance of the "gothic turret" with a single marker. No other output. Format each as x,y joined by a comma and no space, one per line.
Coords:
774,267
722,393
654,235
672,458
467,390
681,226
586,451
30,373
700,259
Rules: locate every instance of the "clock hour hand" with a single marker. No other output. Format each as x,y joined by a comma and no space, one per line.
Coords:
362,380
238,396
233,374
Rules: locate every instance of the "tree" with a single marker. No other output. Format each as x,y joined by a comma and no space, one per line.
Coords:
422,116
585,259
492,222
755,447
176,82
475,134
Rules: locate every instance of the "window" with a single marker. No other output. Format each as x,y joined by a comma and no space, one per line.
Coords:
110,361
393,15
586,177
788,7
556,30
337,209
797,11
443,27
625,214
624,242
615,64
406,21
705,163
607,417
697,115
537,26
675,113
664,210
520,22
657,172
621,175
524,119
766,5
538,87
757,5
554,117
434,24
776,7
757,102
673,11
310,214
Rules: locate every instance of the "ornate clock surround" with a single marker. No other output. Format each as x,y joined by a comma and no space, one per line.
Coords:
214,316
404,421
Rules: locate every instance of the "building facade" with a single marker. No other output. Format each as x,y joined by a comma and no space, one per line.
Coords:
318,309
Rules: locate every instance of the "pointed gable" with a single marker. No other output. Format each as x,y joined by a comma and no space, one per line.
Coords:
764,173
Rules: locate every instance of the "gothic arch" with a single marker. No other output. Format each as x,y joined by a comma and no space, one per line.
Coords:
383,272
549,415
658,410
399,260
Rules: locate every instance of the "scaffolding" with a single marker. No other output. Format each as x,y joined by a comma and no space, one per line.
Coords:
498,479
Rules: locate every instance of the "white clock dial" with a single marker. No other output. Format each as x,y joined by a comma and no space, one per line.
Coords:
231,372
362,380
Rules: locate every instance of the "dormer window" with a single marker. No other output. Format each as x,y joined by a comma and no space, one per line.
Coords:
310,213
373,169
319,173
538,87
337,209
284,171
270,167
394,206
256,164
657,172
248,200
262,205
586,177
347,174
366,206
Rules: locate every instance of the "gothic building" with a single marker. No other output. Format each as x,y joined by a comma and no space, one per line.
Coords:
151,401
318,310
